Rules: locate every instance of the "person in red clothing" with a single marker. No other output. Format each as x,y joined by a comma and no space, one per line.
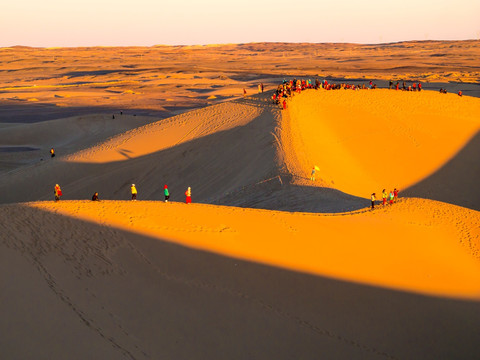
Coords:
188,196
395,194
419,86
284,104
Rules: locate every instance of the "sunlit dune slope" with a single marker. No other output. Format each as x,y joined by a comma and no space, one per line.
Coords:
365,141
415,245
169,132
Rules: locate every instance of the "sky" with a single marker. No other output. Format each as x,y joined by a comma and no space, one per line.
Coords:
70,23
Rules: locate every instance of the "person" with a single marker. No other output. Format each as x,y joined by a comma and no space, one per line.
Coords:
373,201
244,92
419,86
52,152
95,197
390,197
460,93
262,86
259,88
384,197
395,194
167,194
390,84
188,196
57,191
284,104
312,175
134,192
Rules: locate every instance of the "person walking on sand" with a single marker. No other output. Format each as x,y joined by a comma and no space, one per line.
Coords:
390,197
95,197
373,201
57,191
244,92
134,192
284,105
384,197
312,175
395,194
188,196
167,194
52,152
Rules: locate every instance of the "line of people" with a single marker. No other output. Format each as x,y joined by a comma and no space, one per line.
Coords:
57,191
389,198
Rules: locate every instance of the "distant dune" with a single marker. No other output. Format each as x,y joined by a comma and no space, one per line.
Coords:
174,78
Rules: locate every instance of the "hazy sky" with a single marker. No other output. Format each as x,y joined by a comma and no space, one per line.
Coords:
148,22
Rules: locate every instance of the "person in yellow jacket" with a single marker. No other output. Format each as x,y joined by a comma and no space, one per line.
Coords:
373,201
134,192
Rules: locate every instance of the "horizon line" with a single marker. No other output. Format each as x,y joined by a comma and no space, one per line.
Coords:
239,43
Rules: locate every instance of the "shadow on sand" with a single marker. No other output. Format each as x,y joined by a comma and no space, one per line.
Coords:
138,297
456,182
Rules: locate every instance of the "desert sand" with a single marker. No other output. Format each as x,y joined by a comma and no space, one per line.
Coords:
265,263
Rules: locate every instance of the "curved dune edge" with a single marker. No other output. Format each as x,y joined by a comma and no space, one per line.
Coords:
416,245
168,133
365,141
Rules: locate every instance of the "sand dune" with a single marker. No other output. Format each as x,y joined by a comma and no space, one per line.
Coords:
89,76
146,279
366,141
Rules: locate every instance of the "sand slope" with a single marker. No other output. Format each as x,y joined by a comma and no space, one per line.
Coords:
105,276
146,279
366,141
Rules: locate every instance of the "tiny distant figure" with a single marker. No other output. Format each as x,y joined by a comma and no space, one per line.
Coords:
244,92
312,175
261,84
259,88
134,192
384,197
52,152
121,112
373,201
395,194
419,86
414,87
57,191
390,84
95,197
397,85
404,86
284,105
167,194
188,196
113,116
460,93
390,197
